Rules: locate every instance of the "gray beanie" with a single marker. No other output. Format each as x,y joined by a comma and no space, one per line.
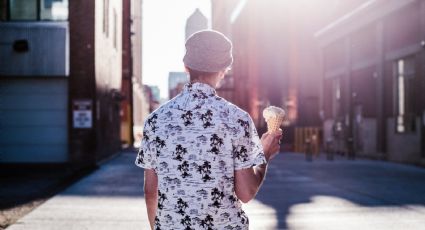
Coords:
208,51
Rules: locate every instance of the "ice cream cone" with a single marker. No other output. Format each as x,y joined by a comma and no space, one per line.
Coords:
273,124
274,117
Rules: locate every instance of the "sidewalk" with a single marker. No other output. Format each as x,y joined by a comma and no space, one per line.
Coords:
23,188
109,198
297,194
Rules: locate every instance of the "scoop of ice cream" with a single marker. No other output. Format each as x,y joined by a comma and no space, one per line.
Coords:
273,112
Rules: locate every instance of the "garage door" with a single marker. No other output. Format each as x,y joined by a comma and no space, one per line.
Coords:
33,120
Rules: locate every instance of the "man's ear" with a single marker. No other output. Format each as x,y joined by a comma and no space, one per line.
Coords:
186,69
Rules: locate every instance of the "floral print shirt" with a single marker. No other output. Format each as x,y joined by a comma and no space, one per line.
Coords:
194,143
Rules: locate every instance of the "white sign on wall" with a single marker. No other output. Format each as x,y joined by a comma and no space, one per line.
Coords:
82,114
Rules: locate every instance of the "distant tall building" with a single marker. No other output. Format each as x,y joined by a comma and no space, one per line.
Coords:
152,93
156,93
196,22
176,80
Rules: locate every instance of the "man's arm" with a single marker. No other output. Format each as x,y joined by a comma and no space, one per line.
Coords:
248,181
151,194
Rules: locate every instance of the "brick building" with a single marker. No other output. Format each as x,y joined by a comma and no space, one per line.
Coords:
60,74
276,60
134,106
127,71
141,102
270,63
373,80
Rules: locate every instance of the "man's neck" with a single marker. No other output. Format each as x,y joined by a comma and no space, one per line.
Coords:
212,83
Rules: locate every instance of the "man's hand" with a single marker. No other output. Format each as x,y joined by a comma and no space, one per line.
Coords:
271,143
248,181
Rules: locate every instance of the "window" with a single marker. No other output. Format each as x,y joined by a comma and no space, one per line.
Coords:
34,10
405,72
106,17
115,38
23,9
336,97
56,10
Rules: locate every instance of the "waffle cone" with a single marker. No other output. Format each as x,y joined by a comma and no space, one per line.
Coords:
273,124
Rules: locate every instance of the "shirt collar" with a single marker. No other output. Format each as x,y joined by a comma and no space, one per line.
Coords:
198,89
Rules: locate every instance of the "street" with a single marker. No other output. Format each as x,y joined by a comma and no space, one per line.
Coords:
342,194
297,194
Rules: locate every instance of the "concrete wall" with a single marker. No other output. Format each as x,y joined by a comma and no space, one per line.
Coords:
327,129
404,147
33,120
108,46
48,53
366,136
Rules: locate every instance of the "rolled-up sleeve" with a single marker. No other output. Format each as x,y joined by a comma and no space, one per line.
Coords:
247,149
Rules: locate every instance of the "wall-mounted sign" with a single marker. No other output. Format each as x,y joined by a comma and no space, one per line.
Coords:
82,114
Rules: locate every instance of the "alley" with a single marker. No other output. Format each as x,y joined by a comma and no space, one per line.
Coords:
297,194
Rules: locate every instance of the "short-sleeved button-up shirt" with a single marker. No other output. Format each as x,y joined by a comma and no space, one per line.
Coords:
194,143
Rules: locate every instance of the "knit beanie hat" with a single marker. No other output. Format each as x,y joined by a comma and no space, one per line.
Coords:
208,51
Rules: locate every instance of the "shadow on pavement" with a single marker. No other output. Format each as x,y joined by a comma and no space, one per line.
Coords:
342,194
21,184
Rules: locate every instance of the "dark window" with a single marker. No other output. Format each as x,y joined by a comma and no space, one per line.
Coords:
404,74
336,97
34,10
23,9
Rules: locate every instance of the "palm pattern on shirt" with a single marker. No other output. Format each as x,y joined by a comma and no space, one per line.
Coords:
195,142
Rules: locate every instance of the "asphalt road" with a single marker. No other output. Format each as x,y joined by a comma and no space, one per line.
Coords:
297,194
342,194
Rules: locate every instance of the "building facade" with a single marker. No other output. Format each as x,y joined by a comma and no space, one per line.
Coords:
61,77
276,60
126,112
176,80
271,61
152,96
140,103
373,80
133,104
34,77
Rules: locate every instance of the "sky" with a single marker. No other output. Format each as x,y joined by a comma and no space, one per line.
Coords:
163,38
